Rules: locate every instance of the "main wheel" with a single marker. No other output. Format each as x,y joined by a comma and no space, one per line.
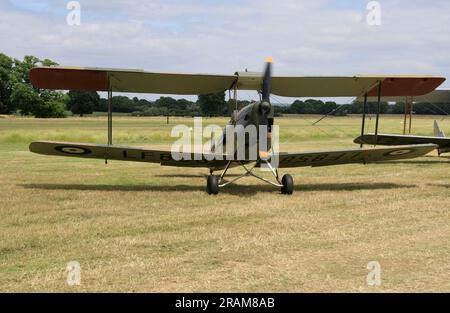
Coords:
212,185
288,185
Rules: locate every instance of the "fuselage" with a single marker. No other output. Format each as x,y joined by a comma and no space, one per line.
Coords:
247,120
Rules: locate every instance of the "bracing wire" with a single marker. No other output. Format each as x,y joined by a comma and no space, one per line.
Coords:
279,102
438,108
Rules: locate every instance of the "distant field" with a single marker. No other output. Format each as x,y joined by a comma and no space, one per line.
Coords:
141,227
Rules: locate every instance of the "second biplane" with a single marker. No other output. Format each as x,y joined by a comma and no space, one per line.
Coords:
439,139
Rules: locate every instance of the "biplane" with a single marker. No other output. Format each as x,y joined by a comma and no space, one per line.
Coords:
258,113
439,139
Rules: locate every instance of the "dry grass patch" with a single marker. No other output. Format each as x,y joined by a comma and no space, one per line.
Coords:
139,227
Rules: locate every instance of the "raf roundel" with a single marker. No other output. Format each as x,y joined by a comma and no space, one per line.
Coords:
72,150
399,152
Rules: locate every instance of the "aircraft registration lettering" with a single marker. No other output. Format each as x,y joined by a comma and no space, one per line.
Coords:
146,155
288,159
165,157
320,157
127,156
338,157
357,154
304,158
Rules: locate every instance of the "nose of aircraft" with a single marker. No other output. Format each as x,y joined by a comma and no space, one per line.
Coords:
265,107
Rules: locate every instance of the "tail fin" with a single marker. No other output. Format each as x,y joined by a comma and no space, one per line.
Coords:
438,132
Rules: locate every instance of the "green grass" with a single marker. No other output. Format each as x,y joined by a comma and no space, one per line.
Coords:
142,227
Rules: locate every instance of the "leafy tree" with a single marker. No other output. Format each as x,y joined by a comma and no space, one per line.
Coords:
102,105
122,104
51,108
357,107
25,98
47,62
166,102
327,107
53,104
296,107
183,104
6,85
212,104
397,108
16,92
83,102
22,68
143,104
46,104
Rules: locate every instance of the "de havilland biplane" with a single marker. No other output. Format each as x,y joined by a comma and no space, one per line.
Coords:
439,139
258,113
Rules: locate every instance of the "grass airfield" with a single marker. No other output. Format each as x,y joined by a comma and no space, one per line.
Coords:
138,227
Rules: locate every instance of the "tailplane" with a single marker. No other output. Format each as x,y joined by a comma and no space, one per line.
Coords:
438,132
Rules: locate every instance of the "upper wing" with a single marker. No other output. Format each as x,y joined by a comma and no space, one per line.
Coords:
327,158
399,140
354,86
436,96
98,79
122,153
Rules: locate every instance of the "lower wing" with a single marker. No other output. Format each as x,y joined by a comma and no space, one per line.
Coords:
399,140
327,158
123,153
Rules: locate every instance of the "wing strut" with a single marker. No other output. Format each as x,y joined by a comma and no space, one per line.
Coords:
378,112
411,108
406,112
363,125
109,118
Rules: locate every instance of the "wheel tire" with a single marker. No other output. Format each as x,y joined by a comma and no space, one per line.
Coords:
212,185
288,185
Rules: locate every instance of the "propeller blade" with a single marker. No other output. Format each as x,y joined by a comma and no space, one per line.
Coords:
266,89
267,81
265,108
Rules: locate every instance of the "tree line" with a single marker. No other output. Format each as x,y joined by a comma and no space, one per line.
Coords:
18,96
356,107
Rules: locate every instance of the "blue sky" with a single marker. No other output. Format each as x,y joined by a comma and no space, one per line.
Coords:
305,37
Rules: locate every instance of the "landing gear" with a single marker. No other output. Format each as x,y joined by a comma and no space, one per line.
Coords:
288,185
212,185
214,182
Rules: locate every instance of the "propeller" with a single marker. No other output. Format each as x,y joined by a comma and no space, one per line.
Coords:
265,106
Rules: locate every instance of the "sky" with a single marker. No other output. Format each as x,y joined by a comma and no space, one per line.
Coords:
304,37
